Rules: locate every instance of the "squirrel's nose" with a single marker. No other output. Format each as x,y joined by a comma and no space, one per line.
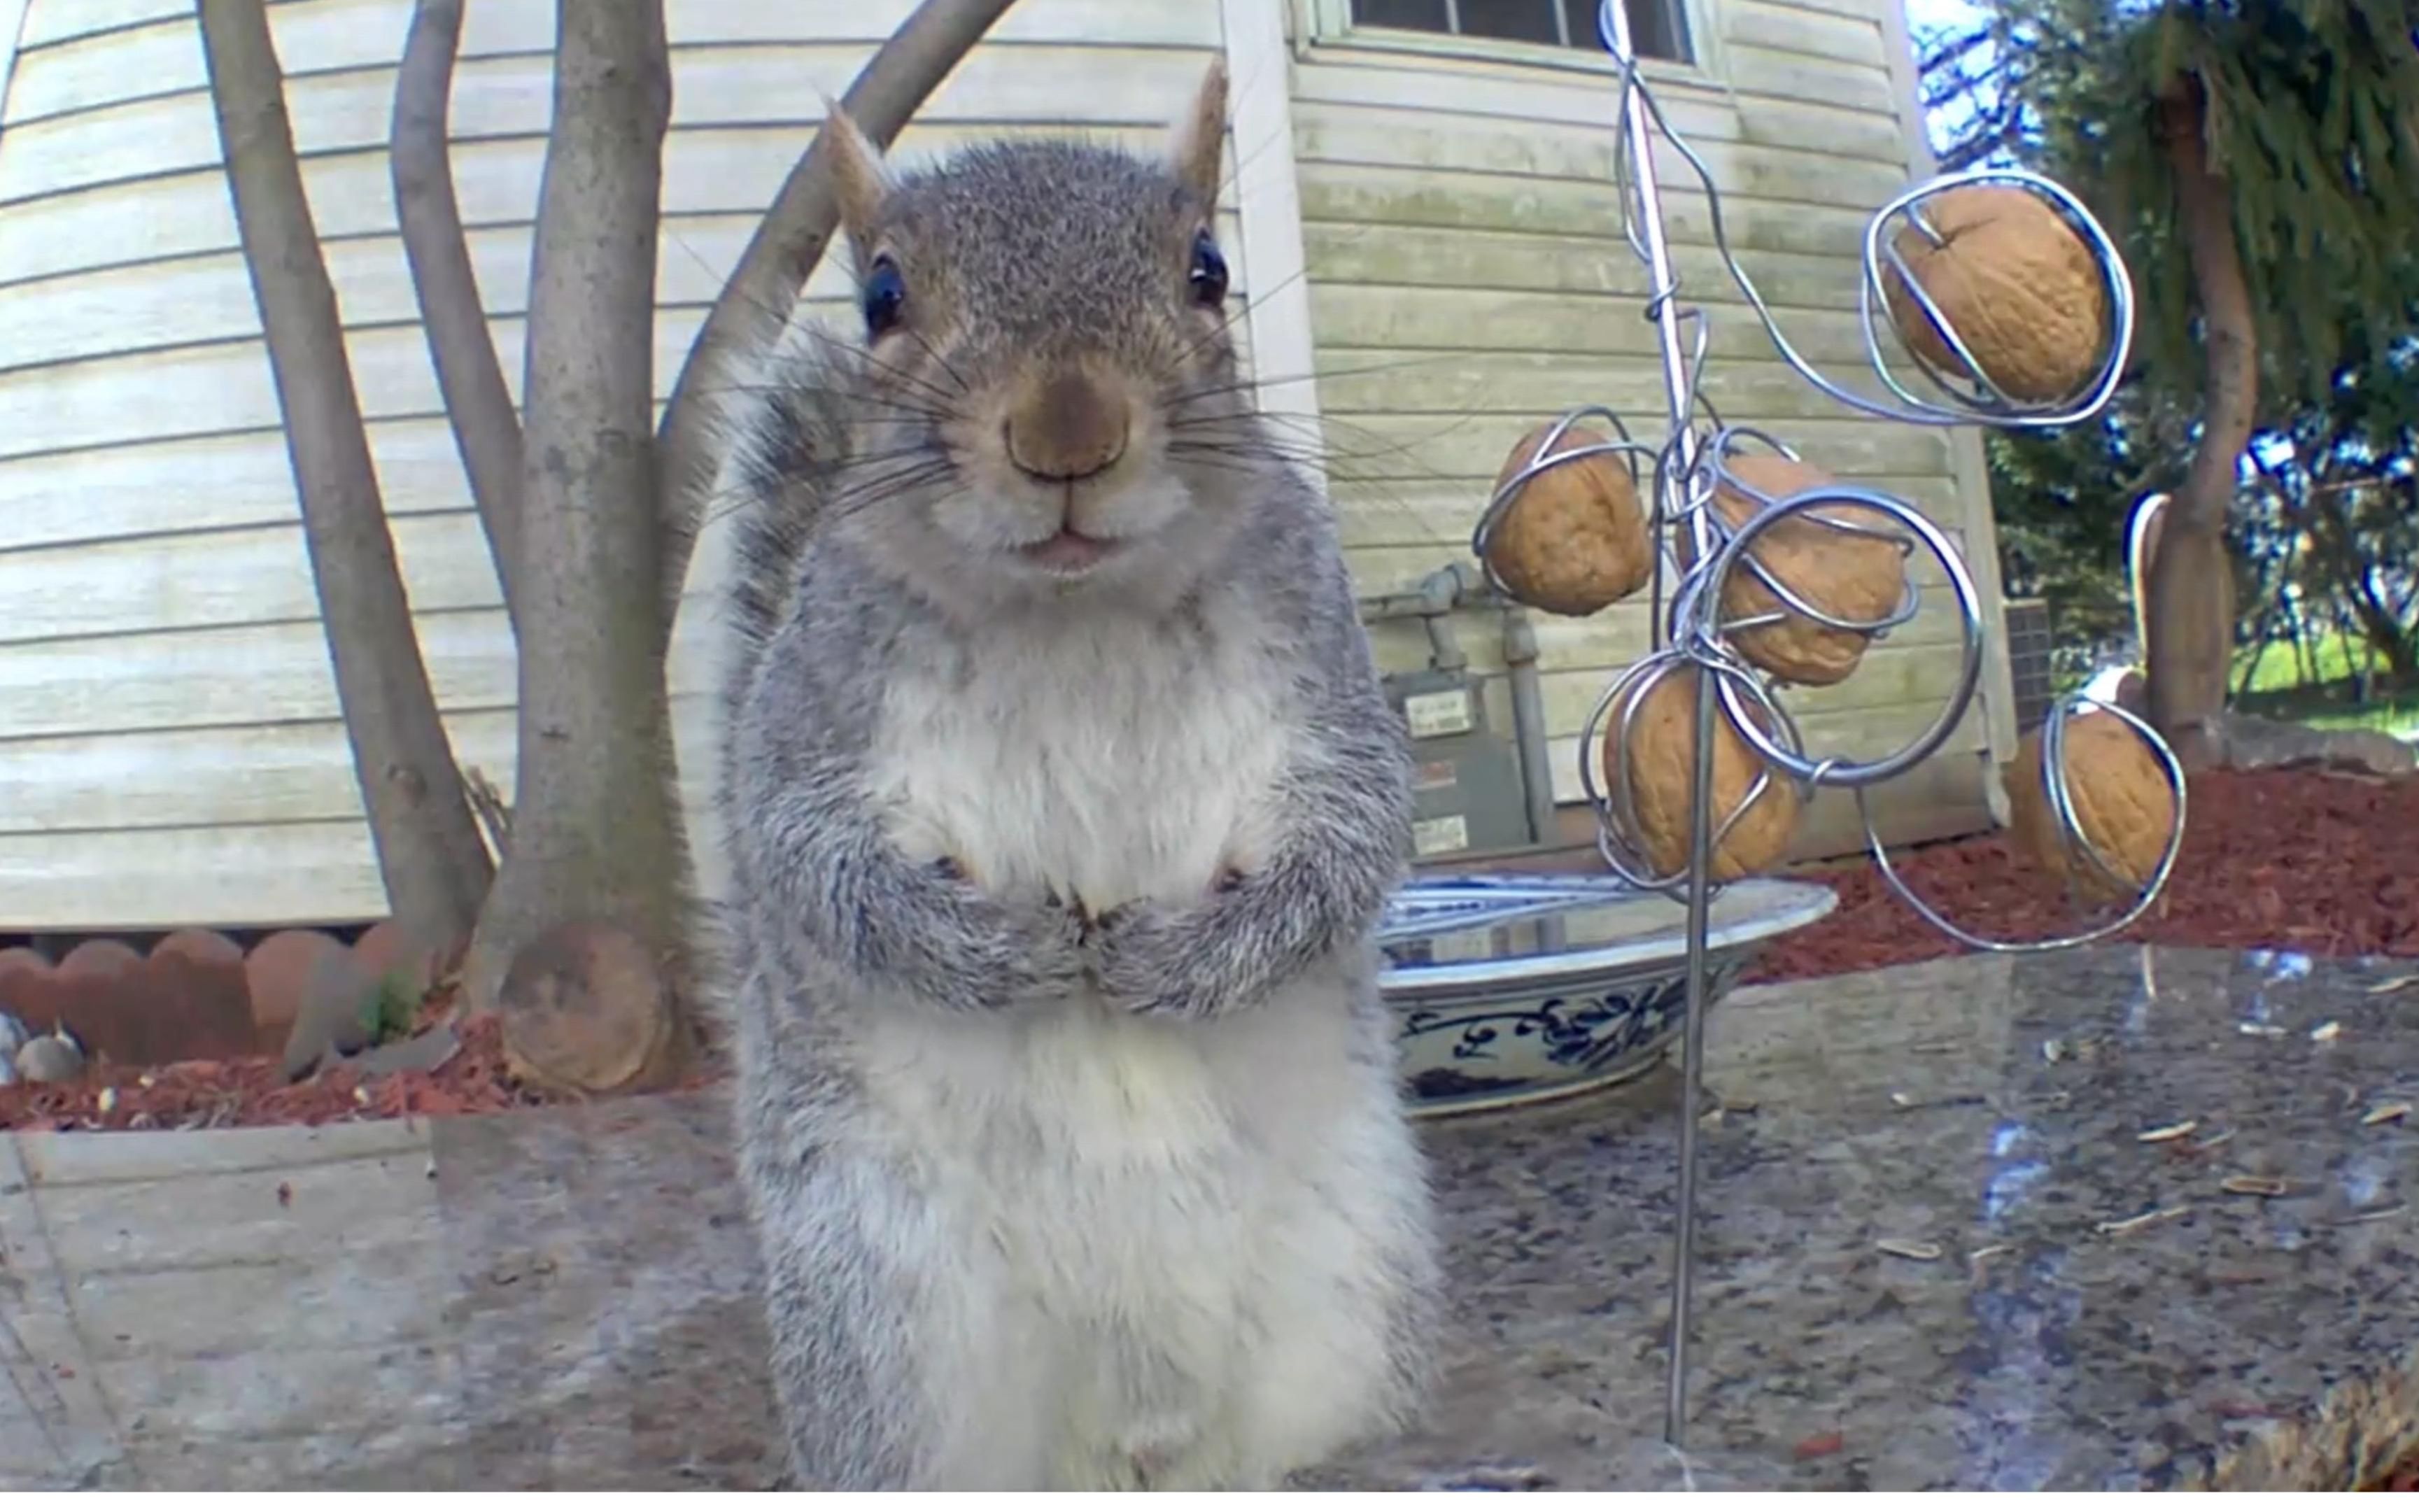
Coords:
1066,427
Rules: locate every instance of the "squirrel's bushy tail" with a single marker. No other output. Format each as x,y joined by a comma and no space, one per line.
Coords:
784,443
788,442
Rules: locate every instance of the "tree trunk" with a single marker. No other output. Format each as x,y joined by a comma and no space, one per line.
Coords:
2189,617
597,839
429,853
479,407
762,290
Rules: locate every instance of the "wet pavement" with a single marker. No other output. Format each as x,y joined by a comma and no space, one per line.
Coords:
2113,1218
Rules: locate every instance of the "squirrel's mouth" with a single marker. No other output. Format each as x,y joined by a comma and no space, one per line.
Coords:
1069,552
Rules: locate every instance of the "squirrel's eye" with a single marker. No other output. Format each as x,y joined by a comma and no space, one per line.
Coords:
1208,276
884,297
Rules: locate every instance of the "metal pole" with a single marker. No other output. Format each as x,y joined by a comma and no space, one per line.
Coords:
1678,390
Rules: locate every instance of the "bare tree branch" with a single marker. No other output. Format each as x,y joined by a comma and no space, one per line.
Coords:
452,315
429,853
763,290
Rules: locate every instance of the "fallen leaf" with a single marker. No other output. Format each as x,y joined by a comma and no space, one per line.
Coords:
1820,1444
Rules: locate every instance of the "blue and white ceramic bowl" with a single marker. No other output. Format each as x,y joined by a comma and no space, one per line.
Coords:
1514,989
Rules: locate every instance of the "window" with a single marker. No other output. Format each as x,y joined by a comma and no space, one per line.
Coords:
1658,28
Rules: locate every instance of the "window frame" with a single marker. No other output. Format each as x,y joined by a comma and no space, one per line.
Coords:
1327,26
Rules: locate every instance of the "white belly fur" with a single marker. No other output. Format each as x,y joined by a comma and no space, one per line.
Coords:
1098,761
1166,1201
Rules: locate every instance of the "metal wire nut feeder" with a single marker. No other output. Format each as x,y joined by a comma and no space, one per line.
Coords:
1691,632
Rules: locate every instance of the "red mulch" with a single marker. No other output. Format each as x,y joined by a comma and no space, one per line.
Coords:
2301,860
2322,863
227,1094
249,1093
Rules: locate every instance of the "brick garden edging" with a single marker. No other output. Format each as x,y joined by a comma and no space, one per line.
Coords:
196,995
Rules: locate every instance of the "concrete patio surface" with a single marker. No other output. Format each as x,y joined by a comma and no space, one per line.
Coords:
566,1298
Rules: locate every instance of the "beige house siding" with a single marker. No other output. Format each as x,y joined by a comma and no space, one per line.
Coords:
1469,279
169,745
1431,232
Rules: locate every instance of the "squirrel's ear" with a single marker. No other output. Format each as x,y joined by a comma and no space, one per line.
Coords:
1200,147
860,178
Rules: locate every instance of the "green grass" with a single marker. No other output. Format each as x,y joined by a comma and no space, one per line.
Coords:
2398,718
2279,692
2334,657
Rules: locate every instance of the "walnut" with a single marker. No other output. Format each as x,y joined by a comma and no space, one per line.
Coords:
1661,765
2021,288
2123,803
1574,537
1848,575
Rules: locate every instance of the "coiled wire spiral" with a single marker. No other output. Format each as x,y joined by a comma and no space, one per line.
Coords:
1688,626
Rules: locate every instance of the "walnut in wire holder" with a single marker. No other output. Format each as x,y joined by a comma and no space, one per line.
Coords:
1550,452
1715,475
1977,396
1969,394
2083,855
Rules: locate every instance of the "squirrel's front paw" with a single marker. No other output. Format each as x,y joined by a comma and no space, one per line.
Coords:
981,950
1056,933
1150,960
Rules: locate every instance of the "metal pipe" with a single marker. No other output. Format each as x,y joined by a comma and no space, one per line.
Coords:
1528,737
1529,723
1440,591
1444,649
1454,586
1382,607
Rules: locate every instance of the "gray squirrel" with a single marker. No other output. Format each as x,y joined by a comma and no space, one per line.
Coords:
1061,803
